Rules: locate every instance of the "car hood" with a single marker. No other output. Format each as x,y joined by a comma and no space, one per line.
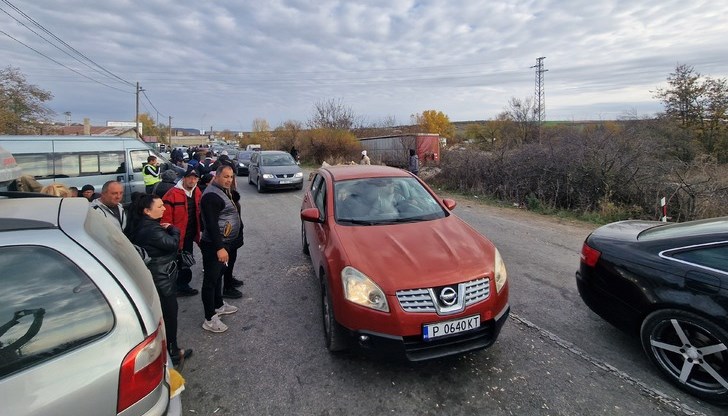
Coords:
280,170
416,255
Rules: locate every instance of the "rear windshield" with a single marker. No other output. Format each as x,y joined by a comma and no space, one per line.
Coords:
686,229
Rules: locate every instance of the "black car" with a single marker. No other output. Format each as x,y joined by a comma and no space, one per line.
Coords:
669,284
242,161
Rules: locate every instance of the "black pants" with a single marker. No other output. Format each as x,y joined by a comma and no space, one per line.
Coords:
149,189
169,313
212,279
184,277
228,278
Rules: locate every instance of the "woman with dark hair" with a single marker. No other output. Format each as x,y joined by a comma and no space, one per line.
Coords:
161,242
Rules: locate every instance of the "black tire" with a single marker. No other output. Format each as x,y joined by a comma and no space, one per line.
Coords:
250,179
260,186
690,351
333,332
304,240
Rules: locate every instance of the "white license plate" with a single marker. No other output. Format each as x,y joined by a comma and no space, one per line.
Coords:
284,182
441,329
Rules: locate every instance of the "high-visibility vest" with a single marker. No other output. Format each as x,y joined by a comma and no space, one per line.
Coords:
151,178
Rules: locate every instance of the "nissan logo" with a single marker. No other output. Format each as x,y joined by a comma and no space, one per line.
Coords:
448,296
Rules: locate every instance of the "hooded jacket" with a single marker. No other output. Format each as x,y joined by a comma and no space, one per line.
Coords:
97,205
175,200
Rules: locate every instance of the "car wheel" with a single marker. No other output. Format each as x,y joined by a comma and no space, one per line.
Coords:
333,332
690,350
250,179
260,186
304,241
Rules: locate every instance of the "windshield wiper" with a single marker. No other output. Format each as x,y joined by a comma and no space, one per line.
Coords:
357,222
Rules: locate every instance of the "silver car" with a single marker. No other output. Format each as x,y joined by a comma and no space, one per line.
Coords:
81,330
274,169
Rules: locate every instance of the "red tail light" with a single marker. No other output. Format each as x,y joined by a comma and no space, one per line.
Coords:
589,256
142,370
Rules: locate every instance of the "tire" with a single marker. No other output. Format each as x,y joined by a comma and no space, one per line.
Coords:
683,345
250,179
304,240
333,332
260,187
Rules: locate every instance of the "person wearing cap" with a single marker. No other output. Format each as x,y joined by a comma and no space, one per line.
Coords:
182,203
364,158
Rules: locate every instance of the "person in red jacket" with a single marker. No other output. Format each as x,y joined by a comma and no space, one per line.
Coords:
182,203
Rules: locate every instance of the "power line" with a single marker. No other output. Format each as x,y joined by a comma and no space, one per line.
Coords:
144,92
63,43
67,67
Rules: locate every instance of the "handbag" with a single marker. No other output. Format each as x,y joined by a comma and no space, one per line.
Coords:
185,259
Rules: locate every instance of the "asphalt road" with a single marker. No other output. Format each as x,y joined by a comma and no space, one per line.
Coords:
553,357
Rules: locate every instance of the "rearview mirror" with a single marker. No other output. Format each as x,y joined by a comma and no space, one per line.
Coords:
449,203
311,215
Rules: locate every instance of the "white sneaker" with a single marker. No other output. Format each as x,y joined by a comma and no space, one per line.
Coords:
214,325
226,309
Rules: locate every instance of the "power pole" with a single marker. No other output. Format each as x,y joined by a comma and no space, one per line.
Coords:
138,90
540,94
170,131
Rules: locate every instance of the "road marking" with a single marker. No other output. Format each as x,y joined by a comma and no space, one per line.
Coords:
644,388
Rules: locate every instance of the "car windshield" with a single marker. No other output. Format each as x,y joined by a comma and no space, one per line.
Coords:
244,155
374,201
282,159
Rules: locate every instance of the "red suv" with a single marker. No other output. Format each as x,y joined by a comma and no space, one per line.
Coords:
399,272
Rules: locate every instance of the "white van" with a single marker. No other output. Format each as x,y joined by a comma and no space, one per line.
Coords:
80,160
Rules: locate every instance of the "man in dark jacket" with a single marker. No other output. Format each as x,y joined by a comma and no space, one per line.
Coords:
169,180
222,233
182,203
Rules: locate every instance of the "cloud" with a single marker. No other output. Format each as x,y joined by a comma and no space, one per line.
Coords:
226,63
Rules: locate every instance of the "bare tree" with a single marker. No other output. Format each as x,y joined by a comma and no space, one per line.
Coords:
333,114
22,108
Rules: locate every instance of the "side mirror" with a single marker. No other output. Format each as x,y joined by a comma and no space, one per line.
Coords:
311,215
449,203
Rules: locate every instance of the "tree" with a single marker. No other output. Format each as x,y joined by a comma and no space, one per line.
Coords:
522,113
333,114
682,97
432,121
261,133
288,134
22,108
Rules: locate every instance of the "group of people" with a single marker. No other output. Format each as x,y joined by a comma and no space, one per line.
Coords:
164,227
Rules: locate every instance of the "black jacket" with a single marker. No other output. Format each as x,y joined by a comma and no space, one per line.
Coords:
161,245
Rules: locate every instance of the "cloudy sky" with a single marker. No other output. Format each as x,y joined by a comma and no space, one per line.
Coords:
223,63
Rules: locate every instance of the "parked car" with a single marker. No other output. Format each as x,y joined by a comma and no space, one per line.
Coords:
81,329
667,283
400,274
274,169
242,161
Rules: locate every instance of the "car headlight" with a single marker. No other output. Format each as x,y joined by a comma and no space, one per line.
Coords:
360,289
298,175
268,176
242,165
500,272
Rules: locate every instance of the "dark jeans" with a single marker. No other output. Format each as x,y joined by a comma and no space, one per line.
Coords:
149,189
184,277
228,278
211,280
169,313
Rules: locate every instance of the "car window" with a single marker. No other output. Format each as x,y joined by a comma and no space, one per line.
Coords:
715,257
384,200
48,306
138,159
283,159
319,196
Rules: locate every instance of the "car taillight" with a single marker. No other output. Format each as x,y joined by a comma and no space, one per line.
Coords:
142,370
589,256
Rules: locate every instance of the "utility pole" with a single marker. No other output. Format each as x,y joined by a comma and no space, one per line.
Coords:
170,131
540,94
138,90
68,118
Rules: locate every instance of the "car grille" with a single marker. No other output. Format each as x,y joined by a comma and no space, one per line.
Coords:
426,300
285,175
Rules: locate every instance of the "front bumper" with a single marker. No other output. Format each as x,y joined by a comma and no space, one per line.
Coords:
414,348
282,183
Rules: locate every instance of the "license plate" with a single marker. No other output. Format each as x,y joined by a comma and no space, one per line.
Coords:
441,329
284,182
